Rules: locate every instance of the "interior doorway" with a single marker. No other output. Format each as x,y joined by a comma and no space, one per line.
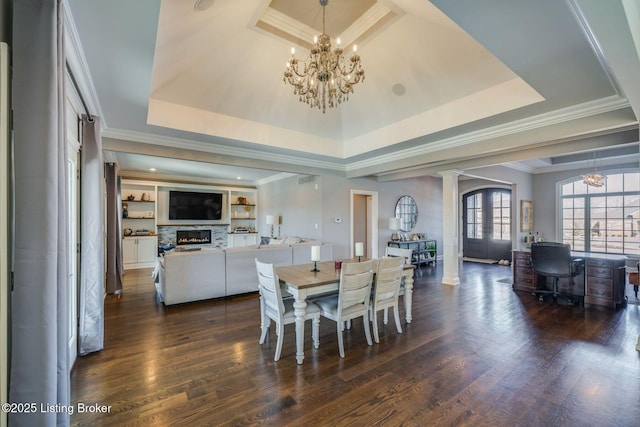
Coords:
487,224
364,222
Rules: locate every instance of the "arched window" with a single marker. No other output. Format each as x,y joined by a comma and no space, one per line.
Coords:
602,219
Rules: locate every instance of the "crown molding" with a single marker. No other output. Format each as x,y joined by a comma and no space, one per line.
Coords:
583,23
182,179
368,20
299,31
187,144
589,164
79,68
274,178
586,109
519,167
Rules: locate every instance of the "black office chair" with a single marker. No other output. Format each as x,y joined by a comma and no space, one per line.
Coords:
554,260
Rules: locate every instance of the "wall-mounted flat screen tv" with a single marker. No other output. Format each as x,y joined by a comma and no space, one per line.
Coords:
194,205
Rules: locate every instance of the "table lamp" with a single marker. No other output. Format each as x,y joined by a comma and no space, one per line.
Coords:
271,220
394,225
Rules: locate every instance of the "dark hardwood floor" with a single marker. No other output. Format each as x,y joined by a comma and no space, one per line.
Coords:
475,354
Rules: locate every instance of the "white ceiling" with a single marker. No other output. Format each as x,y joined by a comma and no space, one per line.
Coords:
198,94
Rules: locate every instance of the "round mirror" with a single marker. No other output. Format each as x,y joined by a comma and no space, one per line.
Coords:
407,211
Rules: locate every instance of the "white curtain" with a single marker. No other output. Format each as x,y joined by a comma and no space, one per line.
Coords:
92,279
39,317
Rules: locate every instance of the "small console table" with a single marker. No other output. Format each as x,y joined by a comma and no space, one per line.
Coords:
602,283
424,251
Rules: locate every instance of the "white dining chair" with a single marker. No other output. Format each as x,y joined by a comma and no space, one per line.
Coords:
386,289
274,307
352,300
407,254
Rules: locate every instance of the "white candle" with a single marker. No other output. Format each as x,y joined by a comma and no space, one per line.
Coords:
359,249
315,253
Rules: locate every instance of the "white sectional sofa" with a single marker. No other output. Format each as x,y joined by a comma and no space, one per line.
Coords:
213,273
241,277
192,276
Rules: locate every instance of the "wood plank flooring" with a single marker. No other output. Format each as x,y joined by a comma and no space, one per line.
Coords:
475,354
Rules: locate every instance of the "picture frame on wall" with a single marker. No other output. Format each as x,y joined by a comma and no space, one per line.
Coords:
526,215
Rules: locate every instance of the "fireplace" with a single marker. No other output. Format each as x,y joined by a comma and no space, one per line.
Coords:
193,237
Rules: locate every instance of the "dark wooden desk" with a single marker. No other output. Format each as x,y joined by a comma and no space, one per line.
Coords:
602,283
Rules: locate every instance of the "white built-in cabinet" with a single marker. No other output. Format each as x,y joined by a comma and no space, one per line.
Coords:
242,218
237,240
139,212
139,251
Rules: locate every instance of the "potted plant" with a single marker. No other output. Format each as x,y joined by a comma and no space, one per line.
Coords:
431,247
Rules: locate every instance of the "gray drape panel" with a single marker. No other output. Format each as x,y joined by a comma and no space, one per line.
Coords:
39,317
115,270
91,298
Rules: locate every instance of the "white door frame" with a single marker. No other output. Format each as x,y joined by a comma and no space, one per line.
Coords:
373,226
73,135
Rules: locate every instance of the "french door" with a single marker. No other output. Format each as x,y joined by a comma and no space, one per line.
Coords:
487,224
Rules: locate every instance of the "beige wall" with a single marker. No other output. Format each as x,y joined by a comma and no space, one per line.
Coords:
326,201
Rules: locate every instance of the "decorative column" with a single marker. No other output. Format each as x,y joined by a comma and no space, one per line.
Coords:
450,225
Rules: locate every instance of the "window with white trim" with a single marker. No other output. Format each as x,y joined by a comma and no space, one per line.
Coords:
602,219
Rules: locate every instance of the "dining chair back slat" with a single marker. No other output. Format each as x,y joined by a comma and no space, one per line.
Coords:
386,291
407,254
352,300
281,311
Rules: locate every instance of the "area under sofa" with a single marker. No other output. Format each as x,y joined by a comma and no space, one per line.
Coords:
213,273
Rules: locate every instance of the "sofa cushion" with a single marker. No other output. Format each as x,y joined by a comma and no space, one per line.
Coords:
240,266
264,240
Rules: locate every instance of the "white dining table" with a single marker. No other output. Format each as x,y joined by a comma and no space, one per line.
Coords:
301,282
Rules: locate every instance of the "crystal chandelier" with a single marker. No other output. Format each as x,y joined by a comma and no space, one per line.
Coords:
594,179
327,77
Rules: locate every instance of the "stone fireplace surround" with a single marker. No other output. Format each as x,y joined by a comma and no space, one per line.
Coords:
219,233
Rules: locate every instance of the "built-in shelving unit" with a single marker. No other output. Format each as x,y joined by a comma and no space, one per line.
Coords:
146,222
139,232
242,217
